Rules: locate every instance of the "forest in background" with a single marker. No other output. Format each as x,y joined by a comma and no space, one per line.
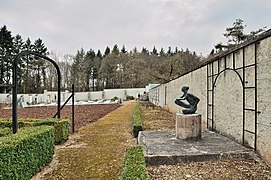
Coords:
116,67
90,70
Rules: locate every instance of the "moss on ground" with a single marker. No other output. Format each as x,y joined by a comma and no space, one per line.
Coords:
100,151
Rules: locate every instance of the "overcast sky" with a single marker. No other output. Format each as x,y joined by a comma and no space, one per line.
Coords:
68,25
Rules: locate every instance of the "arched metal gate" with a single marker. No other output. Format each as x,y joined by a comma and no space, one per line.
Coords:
219,66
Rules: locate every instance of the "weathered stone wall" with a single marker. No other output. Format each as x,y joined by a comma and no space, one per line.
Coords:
228,103
165,94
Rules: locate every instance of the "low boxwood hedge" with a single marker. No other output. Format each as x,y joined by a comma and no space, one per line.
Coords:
137,123
4,131
24,154
61,126
134,164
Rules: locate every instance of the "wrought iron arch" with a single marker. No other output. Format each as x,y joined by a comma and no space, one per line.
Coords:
215,69
14,86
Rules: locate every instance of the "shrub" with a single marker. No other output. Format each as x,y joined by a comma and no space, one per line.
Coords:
137,123
4,131
114,98
61,127
25,153
129,98
134,164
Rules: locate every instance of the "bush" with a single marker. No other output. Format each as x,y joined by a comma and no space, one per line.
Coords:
137,123
25,153
114,98
4,131
61,127
134,164
129,98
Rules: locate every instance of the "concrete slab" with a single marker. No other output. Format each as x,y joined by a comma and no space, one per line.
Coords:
163,148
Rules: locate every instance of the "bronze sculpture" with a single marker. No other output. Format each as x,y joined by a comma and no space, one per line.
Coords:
193,101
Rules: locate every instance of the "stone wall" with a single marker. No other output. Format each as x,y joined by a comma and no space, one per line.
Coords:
233,107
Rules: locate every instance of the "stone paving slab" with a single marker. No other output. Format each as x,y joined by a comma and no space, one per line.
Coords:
163,148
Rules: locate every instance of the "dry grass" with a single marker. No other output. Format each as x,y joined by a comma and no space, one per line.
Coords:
156,118
97,150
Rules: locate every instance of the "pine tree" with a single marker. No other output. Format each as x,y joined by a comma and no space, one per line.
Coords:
39,64
154,51
115,50
6,48
123,50
144,51
107,51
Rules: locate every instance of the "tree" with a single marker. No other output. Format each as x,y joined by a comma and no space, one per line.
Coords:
6,48
235,34
99,54
162,52
17,47
154,51
144,50
89,68
77,70
116,50
107,51
123,50
39,65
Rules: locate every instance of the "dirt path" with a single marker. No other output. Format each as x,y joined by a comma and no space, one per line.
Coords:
96,151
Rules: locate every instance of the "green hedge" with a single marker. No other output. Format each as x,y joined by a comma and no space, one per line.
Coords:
134,164
25,153
137,123
4,131
61,126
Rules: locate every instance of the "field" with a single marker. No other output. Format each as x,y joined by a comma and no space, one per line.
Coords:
83,114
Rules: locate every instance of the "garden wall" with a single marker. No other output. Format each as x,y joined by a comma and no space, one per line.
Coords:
51,96
235,92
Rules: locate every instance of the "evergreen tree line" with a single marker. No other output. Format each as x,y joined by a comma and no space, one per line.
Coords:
90,70
118,68
32,71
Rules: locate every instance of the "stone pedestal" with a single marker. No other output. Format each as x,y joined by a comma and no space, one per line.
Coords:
188,126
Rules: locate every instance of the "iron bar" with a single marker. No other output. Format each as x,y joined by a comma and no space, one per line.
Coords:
233,59
63,105
249,109
207,95
249,131
250,87
73,108
213,94
244,98
256,98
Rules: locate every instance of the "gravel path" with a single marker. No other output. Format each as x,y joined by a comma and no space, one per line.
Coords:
96,151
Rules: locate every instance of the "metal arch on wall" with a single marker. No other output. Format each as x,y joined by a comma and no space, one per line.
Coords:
211,82
14,86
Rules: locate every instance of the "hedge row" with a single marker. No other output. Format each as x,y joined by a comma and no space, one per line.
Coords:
137,123
4,131
61,126
134,164
25,153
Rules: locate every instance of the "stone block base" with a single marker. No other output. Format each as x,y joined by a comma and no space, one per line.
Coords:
188,126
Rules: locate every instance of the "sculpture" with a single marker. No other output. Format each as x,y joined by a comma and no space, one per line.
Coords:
193,101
